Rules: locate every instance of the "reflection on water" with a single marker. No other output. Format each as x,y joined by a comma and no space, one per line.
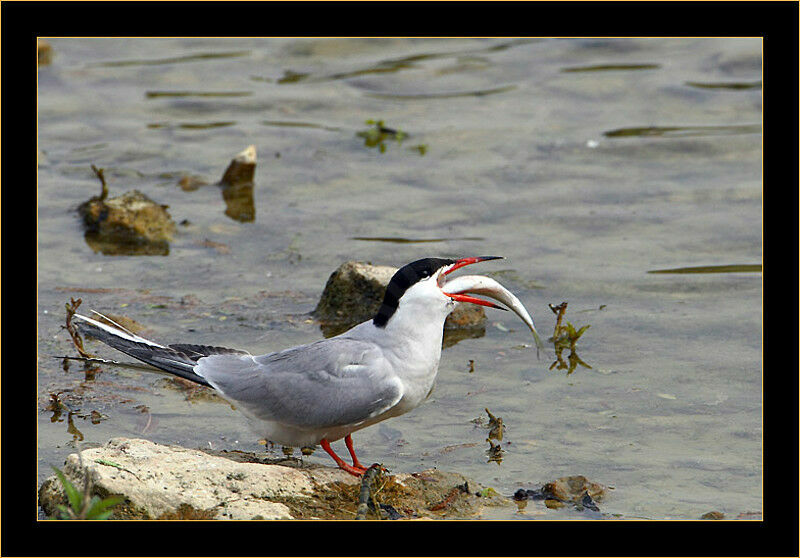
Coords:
239,202
112,246
573,358
566,337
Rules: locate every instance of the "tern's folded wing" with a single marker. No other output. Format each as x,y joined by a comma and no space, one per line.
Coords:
328,383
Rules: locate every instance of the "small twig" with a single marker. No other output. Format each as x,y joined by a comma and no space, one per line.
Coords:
559,311
77,340
364,494
116,466
99,173
451,497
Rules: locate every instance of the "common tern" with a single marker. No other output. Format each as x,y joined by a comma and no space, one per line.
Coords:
324,391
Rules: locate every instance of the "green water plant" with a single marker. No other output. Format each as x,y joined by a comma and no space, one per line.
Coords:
379,133
566,337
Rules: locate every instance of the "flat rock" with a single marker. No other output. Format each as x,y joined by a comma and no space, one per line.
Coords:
170,482
157,480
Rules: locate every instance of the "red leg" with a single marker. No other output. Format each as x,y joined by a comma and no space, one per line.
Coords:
357,472
348,440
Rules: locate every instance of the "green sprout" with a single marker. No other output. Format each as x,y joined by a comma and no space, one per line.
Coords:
82,505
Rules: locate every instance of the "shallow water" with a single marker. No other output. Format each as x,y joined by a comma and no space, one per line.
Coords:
586,163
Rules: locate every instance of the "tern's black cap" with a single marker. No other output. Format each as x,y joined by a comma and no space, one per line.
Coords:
402,280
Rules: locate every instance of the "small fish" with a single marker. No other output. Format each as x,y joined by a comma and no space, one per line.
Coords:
478,284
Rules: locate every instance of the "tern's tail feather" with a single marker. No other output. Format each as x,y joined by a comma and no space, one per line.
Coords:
175,359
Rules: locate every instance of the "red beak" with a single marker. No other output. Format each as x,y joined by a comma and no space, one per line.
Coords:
467,298
469,261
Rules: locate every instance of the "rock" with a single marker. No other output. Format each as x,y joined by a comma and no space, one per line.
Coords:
237,186
157,480
44,52
355,291
576,490
170,482
713,515
189,183
242,168
125,222
573,489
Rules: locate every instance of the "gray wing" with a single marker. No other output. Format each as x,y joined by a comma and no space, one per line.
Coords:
332,382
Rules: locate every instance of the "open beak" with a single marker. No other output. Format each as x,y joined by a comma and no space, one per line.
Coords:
456,295
478,284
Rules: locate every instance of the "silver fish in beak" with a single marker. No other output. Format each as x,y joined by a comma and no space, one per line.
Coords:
478,284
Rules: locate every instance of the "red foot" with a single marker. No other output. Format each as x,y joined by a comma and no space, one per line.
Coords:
348,441
356,469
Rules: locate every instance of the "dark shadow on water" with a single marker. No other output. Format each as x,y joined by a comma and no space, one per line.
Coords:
732,268
448,95
156,94
725,85
401,240
398,64
611,68
189,125
172,60
684,131
293,124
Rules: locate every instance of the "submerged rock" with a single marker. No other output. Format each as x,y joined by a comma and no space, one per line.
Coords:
169,482
355,291
127,222
576,490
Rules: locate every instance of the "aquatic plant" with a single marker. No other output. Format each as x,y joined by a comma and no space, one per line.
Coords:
377,135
